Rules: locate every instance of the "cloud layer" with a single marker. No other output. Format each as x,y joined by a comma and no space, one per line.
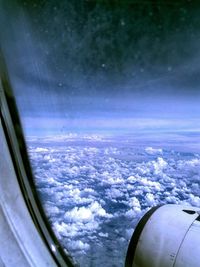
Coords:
95,190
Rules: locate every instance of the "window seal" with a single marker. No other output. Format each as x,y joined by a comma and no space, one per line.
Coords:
18,150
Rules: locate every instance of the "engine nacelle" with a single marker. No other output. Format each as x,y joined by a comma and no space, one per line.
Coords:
167,236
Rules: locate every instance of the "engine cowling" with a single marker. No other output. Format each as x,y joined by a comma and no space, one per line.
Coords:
166,236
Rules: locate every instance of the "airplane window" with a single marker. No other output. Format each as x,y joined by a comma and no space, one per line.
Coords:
108,96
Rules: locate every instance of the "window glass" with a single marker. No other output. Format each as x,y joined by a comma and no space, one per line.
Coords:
108,94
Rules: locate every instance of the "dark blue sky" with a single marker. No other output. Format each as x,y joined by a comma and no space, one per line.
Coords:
104,65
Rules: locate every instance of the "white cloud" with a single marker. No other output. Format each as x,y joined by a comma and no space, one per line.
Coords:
150,199
103,234
40,149
149,183
132,179
86,214
79,214
113,193
87,190
172,200
159,166
153,151
194,200
51,209
79,245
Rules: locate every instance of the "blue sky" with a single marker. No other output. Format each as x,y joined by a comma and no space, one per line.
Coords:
98,67
118,116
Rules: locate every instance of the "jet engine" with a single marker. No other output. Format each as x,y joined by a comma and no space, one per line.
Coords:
167,236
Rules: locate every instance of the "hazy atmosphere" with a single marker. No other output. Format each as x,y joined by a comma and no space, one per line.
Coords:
108,93
135,63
